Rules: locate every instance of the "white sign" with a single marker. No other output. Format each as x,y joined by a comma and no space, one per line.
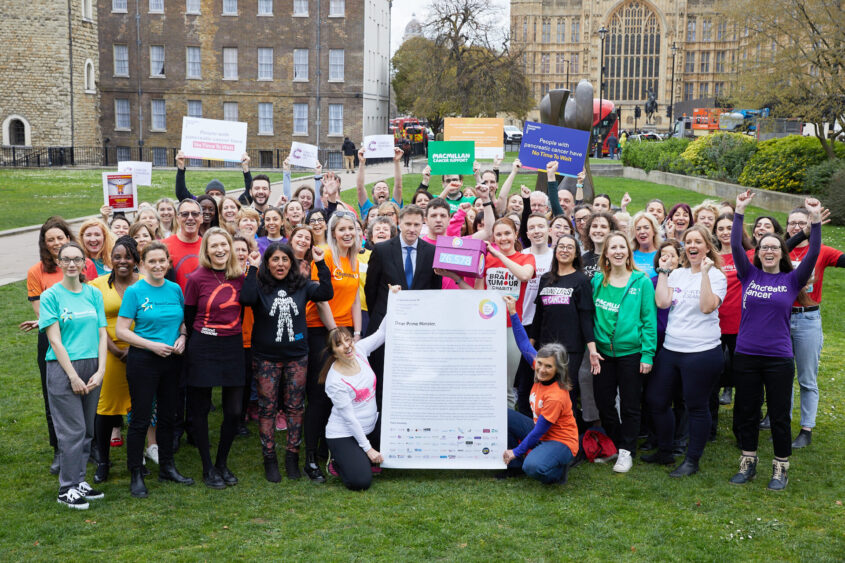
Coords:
304,155
213,139
447,408
142,172
378,146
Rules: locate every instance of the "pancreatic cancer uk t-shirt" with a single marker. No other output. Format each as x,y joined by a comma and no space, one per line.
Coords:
157,311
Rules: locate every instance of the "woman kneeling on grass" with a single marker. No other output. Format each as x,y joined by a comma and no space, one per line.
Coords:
552,436
352,432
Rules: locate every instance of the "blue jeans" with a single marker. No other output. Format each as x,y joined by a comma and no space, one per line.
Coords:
546,460
807,340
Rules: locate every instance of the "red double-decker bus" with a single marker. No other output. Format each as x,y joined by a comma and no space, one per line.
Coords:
605,124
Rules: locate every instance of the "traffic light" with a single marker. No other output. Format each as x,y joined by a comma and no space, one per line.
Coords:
669,112
637,111
619,114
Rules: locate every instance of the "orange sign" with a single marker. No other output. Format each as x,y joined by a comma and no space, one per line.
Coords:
706,118
487,132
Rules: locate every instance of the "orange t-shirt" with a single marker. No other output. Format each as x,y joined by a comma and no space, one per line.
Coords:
345,285
554,405
38,280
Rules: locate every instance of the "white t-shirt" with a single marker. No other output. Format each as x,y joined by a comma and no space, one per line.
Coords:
542,264
688,329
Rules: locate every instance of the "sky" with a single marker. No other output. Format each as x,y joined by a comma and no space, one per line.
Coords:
404,9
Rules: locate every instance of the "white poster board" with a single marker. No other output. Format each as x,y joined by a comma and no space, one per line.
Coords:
120,191
444,398
303,154
142,172
378,146
213,139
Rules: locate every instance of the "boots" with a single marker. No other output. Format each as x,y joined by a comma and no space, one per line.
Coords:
688,467
271,468
102,473
136,486
292,465
780,475
747,470
168,472
312,469
227,475
660,457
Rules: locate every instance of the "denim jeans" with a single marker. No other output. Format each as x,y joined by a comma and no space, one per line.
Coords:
546,461
807,340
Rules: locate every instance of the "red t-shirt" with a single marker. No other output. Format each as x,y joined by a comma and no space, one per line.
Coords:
498,278
554,405
185,258
827,257
216,300
731,309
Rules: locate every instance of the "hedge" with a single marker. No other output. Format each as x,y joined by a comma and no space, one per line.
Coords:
655,155
720,156
781,164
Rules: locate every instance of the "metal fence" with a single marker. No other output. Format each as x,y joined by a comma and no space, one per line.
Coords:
108,156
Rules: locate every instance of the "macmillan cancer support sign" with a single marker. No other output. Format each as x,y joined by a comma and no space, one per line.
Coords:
451,157
542,143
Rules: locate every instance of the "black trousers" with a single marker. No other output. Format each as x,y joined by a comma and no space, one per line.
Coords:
351,462
43,345
199,401
151,377
319,406
621,374
753,374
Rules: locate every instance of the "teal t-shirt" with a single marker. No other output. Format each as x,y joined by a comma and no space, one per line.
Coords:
157,311
645,262
80,316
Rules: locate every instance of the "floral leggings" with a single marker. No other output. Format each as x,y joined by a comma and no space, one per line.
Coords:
287,378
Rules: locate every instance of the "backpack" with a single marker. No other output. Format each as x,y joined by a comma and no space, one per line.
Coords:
596,444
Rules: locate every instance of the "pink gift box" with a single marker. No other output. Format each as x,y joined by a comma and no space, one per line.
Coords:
464,256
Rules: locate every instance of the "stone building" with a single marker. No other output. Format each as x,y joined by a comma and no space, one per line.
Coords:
49,71
562,46
295,70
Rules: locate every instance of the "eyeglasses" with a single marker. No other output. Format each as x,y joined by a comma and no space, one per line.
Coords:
582,219
801,224
186,214
66,261
349,214
767,248
316,220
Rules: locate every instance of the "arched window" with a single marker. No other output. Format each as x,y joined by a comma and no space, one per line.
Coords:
90,87
632,53
16,131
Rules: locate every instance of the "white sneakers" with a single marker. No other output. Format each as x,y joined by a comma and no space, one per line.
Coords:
152,453
623,462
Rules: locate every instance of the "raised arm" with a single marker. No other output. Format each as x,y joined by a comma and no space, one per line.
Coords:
741,262
522,341
552,188
397,176
504,191
359,180
804,271
181,187
245,160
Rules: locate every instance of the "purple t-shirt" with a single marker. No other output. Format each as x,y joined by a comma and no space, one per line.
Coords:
767,298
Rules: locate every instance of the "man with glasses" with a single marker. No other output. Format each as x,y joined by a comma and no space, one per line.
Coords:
184,246
381,191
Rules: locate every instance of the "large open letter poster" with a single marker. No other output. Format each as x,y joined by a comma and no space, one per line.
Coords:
444,398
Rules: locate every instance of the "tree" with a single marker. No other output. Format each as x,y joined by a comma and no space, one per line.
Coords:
791,59
463,66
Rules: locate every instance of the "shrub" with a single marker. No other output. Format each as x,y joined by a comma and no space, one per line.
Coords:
653,155
819,175
781,164
720,156
835,200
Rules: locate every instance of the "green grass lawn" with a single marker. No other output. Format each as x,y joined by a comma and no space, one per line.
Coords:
422,515
29,196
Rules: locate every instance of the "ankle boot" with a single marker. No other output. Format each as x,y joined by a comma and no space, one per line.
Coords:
271,468
292,465
136,486
312,469
660,457
688,467
102,473
747,470
227,475
168,472
780,475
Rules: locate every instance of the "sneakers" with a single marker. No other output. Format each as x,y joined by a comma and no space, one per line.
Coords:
803,439
747,470
88,492
623,462
331,469
151,453
780,475
725,396
72,498
281,422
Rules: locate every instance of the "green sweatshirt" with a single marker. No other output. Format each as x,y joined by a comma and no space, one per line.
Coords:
626,318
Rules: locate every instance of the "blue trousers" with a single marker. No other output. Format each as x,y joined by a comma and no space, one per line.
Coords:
546,461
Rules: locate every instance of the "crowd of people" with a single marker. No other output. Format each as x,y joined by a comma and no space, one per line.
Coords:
634,327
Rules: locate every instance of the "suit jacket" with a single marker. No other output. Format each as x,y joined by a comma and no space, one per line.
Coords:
387,266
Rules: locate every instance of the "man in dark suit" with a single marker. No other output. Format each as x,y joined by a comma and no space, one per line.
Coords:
405,260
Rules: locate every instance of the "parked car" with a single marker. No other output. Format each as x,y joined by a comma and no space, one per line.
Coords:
512,134
645,137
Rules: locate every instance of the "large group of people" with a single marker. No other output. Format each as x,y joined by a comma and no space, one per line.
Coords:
634,327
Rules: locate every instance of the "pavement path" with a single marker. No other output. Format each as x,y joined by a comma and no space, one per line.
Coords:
19,247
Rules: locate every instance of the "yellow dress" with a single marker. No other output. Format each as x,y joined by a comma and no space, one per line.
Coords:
114,393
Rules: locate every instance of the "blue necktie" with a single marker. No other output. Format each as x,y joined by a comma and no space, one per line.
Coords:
409,266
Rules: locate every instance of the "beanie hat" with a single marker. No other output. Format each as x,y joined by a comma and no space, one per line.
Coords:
215,184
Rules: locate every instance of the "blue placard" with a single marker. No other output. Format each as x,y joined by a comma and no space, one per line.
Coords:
542,143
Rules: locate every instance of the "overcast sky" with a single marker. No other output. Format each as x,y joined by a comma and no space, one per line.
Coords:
404,9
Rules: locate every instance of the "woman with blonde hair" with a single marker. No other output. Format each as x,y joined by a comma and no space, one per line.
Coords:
705,213
97,241
227,211
644,234
166,209
149,217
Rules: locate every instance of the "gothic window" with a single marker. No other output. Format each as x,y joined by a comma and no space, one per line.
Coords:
632,53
